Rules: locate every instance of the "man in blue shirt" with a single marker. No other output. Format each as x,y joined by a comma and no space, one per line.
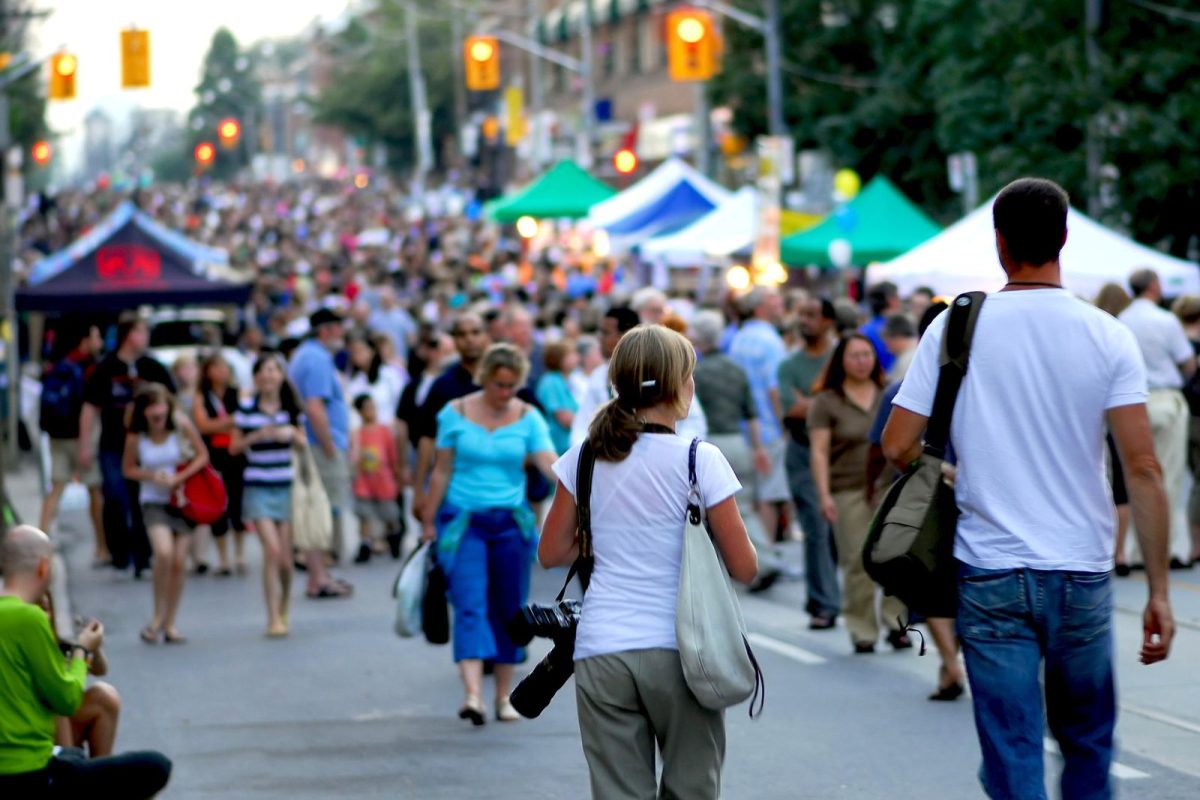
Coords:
885,301
314,375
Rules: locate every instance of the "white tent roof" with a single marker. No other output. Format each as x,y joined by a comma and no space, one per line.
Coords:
963,258
647,192
726,229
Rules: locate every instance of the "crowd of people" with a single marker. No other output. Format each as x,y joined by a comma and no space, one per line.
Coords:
435,373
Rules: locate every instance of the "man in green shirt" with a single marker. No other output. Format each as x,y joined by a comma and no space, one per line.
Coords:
40,684
798,375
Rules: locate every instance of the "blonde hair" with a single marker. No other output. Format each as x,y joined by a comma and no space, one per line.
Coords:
502,356
650,367
1113,298
1187,308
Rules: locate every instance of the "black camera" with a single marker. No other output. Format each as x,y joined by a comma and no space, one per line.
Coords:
558,623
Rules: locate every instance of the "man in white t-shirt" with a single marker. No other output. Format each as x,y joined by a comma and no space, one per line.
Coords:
1170,361
1047,373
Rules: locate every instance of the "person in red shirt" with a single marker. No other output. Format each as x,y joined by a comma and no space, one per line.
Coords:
376,481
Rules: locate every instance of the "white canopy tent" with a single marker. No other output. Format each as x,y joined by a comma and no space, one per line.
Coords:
725,230
963,258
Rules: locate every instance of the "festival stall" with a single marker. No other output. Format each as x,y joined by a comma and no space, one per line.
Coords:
878,224
963,258
565,191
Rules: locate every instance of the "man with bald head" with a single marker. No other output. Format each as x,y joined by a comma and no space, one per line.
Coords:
471,341
39,684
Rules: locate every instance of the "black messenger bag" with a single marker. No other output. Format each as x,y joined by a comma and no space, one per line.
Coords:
910,545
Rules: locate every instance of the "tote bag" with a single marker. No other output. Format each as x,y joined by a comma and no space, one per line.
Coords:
718,664
312,517
409,592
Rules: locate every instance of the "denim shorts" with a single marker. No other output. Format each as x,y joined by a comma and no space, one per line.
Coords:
267,502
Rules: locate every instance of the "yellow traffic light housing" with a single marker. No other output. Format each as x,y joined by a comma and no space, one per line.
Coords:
135,59
693,45
481,57
62,76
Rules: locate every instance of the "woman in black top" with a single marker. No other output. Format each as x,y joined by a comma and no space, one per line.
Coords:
215,404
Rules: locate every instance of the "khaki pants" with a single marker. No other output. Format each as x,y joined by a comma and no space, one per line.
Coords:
335,477
1168,412
629,701
858,590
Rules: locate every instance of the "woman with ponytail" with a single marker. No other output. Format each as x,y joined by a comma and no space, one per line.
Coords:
630,688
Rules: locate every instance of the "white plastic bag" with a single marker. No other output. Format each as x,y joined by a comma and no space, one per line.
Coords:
409,592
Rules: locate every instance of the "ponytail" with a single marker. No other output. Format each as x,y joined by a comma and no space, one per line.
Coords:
613,431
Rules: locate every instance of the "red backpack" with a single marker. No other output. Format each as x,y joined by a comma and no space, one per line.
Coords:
202,498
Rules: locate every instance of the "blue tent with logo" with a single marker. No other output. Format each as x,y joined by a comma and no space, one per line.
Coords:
129,260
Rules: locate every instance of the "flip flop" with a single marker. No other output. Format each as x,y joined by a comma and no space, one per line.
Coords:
174,638
149,635
329,590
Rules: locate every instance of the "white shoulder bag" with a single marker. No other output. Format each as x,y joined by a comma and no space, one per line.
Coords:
718,664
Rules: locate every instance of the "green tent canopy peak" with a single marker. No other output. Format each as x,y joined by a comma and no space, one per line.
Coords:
880,224
565,191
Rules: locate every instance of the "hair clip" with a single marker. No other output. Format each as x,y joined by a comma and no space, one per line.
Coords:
649,383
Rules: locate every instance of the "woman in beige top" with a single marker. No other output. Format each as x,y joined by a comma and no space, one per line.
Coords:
839,423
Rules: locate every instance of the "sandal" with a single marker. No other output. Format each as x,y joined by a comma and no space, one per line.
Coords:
473,710
329,590
279,631
174,637
149,634
505,711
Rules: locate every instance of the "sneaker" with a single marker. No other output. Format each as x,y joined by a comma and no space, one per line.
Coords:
364,554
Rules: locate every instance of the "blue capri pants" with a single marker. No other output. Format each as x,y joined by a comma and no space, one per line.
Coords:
489,583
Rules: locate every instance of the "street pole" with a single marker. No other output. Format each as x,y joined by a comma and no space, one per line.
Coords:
586,122
775,123
1092,16
420,105
533,10
8,288
702,125
460,81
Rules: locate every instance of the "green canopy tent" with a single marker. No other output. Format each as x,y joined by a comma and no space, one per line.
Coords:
565,191
880,224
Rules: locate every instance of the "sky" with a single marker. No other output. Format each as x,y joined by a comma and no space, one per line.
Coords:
180,33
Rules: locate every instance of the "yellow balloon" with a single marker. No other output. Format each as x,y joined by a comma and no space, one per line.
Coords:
847,183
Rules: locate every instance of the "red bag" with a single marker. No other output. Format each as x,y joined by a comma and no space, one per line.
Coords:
202,498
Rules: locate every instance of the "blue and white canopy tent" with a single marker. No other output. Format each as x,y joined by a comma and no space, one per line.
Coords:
126,261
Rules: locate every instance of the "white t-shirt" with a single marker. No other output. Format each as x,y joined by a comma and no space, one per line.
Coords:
638,508
1029,429
1163,341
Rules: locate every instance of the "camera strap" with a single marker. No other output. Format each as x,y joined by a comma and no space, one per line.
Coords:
583,516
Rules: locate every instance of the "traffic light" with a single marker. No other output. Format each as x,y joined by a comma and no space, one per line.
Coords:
205,153
625,161
62,76
135,59
481,55
229,130
693,46
41,153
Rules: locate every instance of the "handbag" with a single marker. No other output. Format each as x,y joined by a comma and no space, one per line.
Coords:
409,593
909,549
201,499
435,611
718,662
312,516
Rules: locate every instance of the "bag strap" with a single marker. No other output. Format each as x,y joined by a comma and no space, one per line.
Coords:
955,355
586,560
695,507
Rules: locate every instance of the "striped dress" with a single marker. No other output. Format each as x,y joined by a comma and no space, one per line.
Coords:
268,463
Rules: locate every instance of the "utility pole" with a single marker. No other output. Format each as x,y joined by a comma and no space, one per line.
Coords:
420,104
703,128
533,11
1093,12
460,83
587,57
775,123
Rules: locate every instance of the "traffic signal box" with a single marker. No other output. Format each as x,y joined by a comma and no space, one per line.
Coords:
693,46
135,59
62,76
481,56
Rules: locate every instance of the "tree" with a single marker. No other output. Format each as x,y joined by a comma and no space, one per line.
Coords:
227,88
369,95
26,97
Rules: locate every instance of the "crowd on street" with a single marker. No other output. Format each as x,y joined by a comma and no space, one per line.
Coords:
428,378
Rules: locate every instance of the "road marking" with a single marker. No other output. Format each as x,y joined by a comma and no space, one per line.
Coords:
785,649
1166,719
1120,771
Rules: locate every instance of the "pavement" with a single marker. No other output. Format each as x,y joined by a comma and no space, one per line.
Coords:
343,708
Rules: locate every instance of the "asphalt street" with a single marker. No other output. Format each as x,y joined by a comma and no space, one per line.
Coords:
343,708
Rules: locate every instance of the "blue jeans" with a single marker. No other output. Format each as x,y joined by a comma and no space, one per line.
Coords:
488,585
123,528
1010,621
820,565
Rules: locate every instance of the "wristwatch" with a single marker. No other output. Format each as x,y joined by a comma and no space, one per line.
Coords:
87,654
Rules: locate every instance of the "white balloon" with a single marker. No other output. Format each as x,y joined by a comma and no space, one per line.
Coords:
840,253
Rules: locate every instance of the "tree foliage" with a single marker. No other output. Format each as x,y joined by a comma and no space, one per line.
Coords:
227,88
894,87
27,96
369,96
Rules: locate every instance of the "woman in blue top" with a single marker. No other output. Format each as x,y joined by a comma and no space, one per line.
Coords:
483,525
554,392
